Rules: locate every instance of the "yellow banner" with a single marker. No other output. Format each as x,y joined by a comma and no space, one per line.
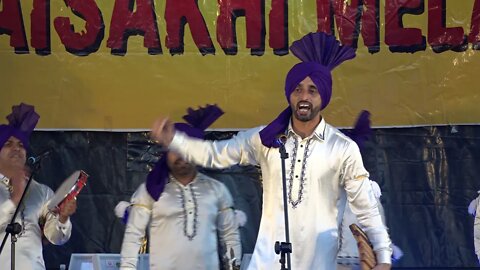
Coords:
111,65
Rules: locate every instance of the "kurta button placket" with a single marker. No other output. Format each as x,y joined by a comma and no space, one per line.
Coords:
296,185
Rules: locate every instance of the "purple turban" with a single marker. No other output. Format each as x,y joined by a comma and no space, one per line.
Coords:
319,74
197,122
21,123
320,54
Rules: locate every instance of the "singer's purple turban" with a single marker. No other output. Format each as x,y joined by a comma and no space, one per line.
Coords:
320,54
319,74
197,122
21,123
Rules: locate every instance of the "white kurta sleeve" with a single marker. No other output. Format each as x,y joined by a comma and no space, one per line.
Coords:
138,219
56,232
7,209
227,226
363,203
476,231
218,154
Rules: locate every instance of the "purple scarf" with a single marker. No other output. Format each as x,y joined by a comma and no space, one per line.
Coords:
362,131
198,121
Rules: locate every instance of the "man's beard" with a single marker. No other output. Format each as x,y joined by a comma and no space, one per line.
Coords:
184,171
313,113
182,168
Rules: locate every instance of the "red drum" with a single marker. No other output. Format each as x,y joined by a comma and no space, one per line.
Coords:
68,190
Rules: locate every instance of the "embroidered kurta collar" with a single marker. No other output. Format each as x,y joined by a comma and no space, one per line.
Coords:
4,180
318,132
197,178
191,207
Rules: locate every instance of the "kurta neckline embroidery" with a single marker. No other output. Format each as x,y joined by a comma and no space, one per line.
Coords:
22,216
299,199
192,235
7,183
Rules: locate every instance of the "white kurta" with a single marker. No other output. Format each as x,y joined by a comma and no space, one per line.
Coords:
348,250
28,248
476,230
184,223
322,171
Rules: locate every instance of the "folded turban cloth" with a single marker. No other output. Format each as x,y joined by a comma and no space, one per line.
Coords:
21,123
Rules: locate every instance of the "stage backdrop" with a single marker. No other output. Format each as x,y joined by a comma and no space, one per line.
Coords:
110,65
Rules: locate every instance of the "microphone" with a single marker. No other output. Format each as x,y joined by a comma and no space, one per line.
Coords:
39,157
281,139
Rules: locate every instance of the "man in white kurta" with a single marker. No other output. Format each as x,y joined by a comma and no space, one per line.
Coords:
476,228
184,223
33,215
28,247
324,169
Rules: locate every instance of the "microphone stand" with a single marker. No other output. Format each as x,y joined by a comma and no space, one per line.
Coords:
284,247
14,228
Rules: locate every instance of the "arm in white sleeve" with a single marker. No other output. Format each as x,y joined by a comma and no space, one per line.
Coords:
56,232
363,203
227,226
7,209
218,154
138,219
476,231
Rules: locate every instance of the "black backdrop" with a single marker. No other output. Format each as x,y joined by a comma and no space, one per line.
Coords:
428,176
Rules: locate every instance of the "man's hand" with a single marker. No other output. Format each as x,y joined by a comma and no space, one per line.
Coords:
66,210
382,266
162,131
18,180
